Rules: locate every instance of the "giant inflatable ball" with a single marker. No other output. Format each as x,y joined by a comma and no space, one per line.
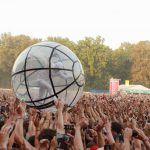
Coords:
46,71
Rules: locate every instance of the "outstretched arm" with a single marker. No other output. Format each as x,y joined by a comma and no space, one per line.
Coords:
60,120
80,123
19,135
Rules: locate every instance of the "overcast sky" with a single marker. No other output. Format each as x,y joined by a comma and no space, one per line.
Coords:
115,20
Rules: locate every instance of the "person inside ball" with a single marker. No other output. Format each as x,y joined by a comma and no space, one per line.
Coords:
45,76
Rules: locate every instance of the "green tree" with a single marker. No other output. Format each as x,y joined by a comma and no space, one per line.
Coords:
122,62
10,47
95,57
141,63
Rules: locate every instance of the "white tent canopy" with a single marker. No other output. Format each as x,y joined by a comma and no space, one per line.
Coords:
137,89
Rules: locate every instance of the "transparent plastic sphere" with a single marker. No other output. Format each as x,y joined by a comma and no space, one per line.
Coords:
46,71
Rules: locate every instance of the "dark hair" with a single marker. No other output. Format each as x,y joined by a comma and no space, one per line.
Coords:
31,140
116,127
25,126
47,134
1,124
15,146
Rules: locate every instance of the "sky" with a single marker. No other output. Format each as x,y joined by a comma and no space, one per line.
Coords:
117,21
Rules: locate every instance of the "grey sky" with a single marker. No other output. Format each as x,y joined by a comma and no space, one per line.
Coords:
115,20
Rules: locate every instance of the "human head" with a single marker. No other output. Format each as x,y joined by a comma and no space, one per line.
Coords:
116,127
46,136
31,140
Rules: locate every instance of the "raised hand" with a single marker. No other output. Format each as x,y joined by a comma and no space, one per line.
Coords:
5,133
128,133
21,109
81,122
141,135
59,104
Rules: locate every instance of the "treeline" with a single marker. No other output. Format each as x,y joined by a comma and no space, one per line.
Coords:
100,62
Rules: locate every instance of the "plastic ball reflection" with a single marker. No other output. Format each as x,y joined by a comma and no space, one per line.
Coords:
46,71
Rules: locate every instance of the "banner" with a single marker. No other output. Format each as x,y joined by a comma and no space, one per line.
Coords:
127,82
113,86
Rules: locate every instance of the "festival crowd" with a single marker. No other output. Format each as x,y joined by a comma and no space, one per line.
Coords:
96,122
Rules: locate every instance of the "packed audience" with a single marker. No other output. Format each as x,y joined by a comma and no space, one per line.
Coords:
97,122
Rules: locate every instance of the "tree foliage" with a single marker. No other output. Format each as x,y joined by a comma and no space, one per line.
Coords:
122,62
141,63
95,57
100,63
10,47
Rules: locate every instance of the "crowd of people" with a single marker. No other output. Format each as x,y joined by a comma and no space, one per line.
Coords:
96,122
